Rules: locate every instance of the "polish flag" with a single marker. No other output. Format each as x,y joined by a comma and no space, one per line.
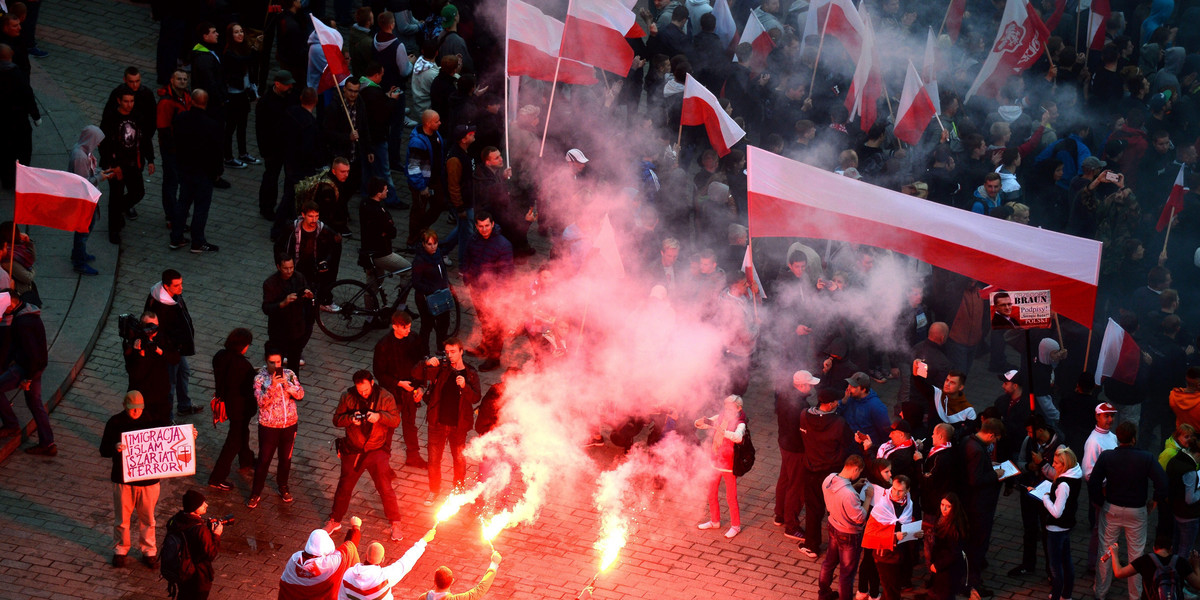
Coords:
1019,43
726,27
792,199
1174,203
606,247
336,70
752,275
862,99
838,18
1120,356
929,69
1056,16
595,34
916,109
954,18
55,199
1097,22
700,107
757,37
533,43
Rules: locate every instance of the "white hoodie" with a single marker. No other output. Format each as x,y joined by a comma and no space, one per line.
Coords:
373,582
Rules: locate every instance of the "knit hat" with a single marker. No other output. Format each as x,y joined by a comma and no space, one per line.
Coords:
375,553
449,15
192,500
133,399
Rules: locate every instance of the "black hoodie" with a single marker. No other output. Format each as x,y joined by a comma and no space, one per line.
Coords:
826,440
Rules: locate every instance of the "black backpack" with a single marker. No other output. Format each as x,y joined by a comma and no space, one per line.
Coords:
1166,585
175,561
743,454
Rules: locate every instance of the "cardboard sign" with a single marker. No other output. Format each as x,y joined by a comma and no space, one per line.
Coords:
158,453
1021,310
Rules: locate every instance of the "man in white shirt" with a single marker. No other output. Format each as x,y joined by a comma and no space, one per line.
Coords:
1101,439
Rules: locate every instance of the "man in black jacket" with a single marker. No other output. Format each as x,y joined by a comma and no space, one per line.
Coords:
790,403
453,391
300,156
233,383
203,538
269,128
25,353
126,149
395,355
148,360
941,473
826,444
139,496
198,139
207,73
982,492
166,301
288,303
380,105
346,134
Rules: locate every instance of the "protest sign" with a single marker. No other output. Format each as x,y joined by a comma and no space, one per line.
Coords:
158,453
1021,310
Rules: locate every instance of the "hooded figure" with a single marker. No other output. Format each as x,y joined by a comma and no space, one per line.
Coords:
316,572
84,163
316,60
1168,77
1049,354
370,579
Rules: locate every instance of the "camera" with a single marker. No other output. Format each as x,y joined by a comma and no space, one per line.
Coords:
130,328
361,415
226,520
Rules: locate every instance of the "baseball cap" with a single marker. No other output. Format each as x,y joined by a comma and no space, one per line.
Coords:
902,425
134,399
1009,375
284,77
1092,162
576,155
1105,408
1157,102
859,379
462,130
449,14
804,377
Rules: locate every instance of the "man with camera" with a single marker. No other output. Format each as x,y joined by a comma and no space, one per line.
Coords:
369,414
453,391
276,389
203,539
288,303
149,355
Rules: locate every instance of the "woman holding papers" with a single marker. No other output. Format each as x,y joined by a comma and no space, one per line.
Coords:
1059,500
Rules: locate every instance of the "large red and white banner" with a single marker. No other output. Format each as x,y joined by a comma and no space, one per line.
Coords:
55,199
1020,41
595,34
533,43
792,199
700,107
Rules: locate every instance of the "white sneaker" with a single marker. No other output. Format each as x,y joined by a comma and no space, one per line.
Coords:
331,308
733,531
709,525
430,499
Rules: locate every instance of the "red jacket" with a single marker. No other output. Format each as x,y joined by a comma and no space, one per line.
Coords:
169,105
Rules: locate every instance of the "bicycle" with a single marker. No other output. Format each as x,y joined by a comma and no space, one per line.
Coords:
359,310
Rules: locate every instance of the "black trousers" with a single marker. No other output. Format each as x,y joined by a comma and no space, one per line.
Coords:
268,190
789,490
237,445
124,194
814,511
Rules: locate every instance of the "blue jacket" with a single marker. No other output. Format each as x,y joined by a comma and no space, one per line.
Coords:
1070,160
868,415
487,258
420,159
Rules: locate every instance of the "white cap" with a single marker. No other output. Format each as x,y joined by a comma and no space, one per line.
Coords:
804,377
576,155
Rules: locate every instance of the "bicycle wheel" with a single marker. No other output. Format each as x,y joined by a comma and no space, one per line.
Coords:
357,308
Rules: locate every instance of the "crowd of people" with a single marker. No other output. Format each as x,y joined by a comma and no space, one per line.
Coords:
1088,142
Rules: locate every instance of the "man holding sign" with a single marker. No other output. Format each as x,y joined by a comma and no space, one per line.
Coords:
141,496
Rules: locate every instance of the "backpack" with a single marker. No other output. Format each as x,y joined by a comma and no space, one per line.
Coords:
306,189
1166,585
743,454
175,560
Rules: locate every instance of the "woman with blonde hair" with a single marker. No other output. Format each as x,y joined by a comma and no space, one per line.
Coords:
729,428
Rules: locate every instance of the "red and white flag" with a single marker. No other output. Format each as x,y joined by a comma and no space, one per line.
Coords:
726,27
752,274
916,109
336,70
1097,23
55,199
533,43
929,70
862,99
1120,356
595,34
755,35
1174,203
606,247
1019,43
700,107
838,18
954,18
791,199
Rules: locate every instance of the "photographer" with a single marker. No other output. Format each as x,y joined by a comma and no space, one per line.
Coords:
203,538
149,355
453,391
369,414
317,250
276,389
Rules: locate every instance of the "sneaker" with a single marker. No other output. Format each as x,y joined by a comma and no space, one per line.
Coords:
186,411
223,486
250,159
597,440
430,498
330,308
808,552
221,184
176,246
331,526
204,248
131,214
1019,570
86,269
37,52
118,560
793,535
862,596
253,502
778,522
234,163
732,532
416,461
397,532
286,496
51,450
302,362
151,561
709,525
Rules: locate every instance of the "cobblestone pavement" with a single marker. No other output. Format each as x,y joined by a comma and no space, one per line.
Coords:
57,513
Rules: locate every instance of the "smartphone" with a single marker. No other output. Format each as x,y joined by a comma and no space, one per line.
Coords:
1112,177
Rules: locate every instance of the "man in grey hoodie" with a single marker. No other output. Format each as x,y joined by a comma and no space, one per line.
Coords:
848,508
84,163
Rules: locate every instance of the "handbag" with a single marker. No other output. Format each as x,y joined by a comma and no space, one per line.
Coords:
217,405
440,301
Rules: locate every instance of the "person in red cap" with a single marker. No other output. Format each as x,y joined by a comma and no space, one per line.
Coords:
1101,439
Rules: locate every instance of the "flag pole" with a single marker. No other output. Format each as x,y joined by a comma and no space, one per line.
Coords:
338,87
1167,238
12,246
1078,14
1087,351
750,278
1058,326
679,138
554,83
507,156
945,17
817,61
888,97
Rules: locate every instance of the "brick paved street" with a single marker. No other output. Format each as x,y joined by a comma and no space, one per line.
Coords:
56,513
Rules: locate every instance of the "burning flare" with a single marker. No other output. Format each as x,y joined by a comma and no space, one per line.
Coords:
495,525
611,541
455,502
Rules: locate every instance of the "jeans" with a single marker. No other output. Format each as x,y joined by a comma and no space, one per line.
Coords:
179,374
1131,521
196,193
714,500
374,462
272,440
1062,572
891,577
79,253
789,490
438,436
1184,535
10,379
459,235
237,445
128,499
844,551
382,169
